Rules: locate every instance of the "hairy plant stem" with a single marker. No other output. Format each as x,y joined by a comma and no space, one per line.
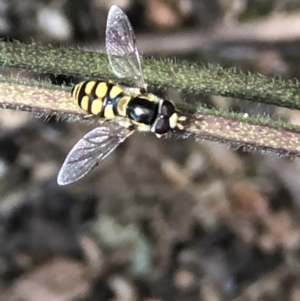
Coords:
235,129
161,73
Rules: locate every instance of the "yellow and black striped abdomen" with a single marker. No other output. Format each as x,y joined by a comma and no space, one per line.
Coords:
98,98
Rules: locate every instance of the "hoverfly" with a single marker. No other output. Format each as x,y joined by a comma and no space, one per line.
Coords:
121,110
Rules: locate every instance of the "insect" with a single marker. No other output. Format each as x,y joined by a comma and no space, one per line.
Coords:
121,110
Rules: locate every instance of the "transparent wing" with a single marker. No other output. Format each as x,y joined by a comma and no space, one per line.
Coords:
91,150
121,47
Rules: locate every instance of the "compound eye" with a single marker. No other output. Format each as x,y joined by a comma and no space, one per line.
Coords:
162,126
167,109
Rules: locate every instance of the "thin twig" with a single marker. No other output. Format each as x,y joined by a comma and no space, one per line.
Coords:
227,127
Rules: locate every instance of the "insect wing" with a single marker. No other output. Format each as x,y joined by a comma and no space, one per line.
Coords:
121,47
91,150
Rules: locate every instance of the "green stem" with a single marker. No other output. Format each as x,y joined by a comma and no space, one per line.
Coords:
161,73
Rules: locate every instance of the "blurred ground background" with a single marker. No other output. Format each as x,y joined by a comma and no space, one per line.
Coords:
160,219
